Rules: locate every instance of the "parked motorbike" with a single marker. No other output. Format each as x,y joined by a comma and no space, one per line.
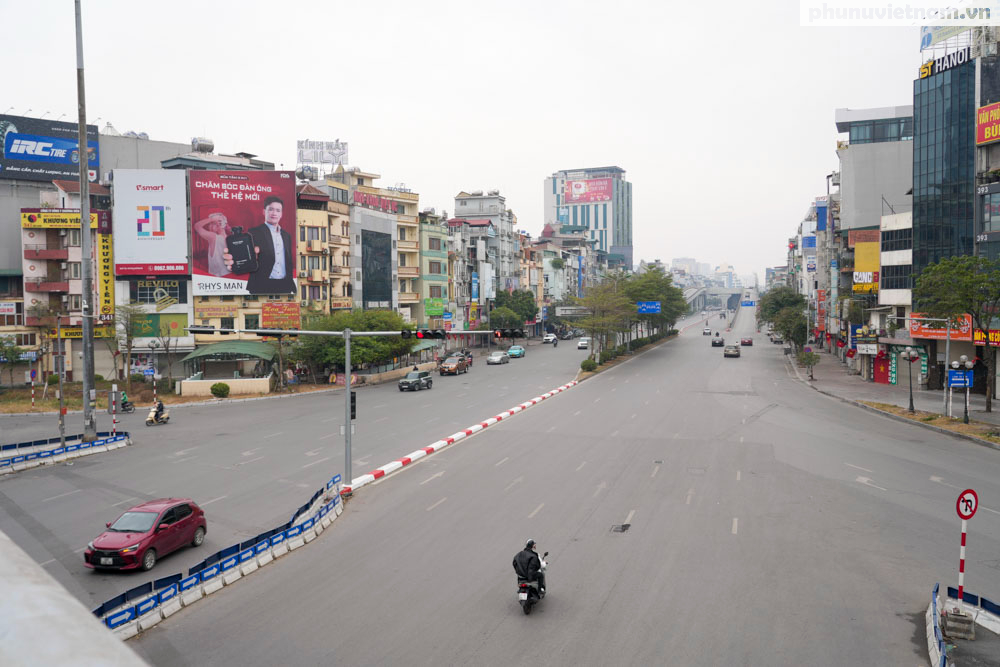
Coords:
528,592
151,419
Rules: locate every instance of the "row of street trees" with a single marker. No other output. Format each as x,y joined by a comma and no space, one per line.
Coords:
613,307
784,309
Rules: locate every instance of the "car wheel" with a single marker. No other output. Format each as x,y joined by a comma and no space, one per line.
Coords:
199,537
148,560
419,386
401,389
430,384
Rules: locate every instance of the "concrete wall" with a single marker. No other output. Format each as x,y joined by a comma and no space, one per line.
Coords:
236,386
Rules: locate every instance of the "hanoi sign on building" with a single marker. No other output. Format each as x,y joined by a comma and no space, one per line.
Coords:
150,216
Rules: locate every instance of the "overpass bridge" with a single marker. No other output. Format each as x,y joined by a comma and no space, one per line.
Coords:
699,298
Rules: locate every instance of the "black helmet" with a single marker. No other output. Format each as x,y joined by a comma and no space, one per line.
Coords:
530,544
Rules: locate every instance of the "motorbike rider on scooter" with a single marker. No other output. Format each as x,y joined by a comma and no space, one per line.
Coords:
124,402
159,411
528,566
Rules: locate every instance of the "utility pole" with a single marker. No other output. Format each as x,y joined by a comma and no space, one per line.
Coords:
348,424
89,397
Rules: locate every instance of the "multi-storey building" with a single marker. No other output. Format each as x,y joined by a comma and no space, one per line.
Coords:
434,309
503,246
473,267
339,220
598,199
313,249
532,279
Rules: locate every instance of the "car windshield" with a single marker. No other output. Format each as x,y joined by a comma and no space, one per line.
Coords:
413,375
134,522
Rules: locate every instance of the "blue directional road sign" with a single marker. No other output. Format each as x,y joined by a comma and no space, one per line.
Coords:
148,371
649,307
445,316
959,378
748,303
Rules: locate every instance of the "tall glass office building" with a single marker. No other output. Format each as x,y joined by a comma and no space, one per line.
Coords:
944,145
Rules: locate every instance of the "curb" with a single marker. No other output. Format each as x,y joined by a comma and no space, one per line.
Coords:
400,463
634,356
943,431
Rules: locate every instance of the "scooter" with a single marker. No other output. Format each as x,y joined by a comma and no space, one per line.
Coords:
555,343
128,407
528,592
151,419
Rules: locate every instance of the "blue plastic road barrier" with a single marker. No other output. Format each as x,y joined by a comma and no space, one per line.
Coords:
120,618
246,554
209,572
169,593
262,547
189,583
229,563
294,531
277,539
147,605
307,524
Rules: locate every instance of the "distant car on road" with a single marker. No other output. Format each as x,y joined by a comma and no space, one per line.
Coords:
548,338
707,331
583,344
515,351
454,365
415,381
746,342
498,357
718,341
731,351
146,533
777,339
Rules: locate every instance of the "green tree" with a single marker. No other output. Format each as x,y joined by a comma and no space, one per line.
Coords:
959,285
776,300
521,302
505,318
609,309
328,351
791,324
809,360
10,355
657,285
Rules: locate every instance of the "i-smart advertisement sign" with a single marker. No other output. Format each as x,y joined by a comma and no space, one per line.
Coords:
34,149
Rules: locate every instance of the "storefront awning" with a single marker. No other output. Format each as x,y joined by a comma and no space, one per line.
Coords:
423,345
248,348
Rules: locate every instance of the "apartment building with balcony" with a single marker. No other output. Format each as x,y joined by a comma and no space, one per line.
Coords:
503,245
314,251
339,220
435,309
531,277
475,256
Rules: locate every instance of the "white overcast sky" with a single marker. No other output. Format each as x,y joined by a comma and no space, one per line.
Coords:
722,113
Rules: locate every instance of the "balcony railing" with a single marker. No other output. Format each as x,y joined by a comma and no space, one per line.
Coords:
340,240
406,245
44,252
339,270
409,271
408,297
41,285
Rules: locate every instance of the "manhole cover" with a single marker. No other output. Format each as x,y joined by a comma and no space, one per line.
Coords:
620,528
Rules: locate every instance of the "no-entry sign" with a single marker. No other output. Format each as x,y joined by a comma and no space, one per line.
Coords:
968,503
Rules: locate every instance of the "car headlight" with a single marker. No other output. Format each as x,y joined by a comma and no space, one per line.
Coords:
90,545
128,550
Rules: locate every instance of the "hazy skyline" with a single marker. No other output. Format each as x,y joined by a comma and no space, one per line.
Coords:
723,121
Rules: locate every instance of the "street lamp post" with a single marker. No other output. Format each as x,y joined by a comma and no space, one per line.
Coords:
967,364
910,354
153,345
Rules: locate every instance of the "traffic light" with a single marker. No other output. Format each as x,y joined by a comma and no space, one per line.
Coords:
508,333
425,334
354,404
405,334
498,333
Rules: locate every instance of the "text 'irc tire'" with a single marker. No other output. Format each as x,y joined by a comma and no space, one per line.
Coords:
148,560
199,537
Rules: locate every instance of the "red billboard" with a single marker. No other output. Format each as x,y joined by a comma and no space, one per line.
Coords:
243,232
933,330
591,190
988,124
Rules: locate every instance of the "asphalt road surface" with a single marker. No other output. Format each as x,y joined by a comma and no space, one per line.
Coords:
767,524
249,465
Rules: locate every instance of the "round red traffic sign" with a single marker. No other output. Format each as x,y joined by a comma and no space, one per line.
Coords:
968,503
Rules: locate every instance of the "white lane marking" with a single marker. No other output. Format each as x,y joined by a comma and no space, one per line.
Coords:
259,458
380,419
941,481
989,510
612,389
552,428
851,465
122,502
432,477
600,487
209,502
432,419
183,460
689,495
736,523
516,481
328,436
597,399
741,438
737,475
329,420
82,549
634,415
577,413
364,461
867,482
502,461
580,467
436,504
631,514
325,458
655,470
379,407
61,495
424,407
314,452
250,452
537,510
273,435
51,560
614,433
182,452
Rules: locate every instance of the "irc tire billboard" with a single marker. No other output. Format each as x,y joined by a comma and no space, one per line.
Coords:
32,149
243,232
150,218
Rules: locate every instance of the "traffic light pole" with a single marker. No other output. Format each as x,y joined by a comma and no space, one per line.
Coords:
346,334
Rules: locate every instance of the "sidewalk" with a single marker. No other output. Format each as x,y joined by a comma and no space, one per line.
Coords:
831,376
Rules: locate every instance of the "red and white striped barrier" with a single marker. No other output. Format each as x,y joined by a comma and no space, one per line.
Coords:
393,466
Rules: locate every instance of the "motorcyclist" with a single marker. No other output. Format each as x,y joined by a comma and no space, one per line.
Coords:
159,410
528,566
555,342
124,402
716,334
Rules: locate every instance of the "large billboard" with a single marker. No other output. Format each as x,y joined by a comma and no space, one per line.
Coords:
324,152
960,331
376,269
867,264
150,216
590,190
280,315
33,149
59,218
243,232
988,124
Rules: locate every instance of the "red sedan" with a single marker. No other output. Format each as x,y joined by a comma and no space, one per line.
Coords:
145,533
746,342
